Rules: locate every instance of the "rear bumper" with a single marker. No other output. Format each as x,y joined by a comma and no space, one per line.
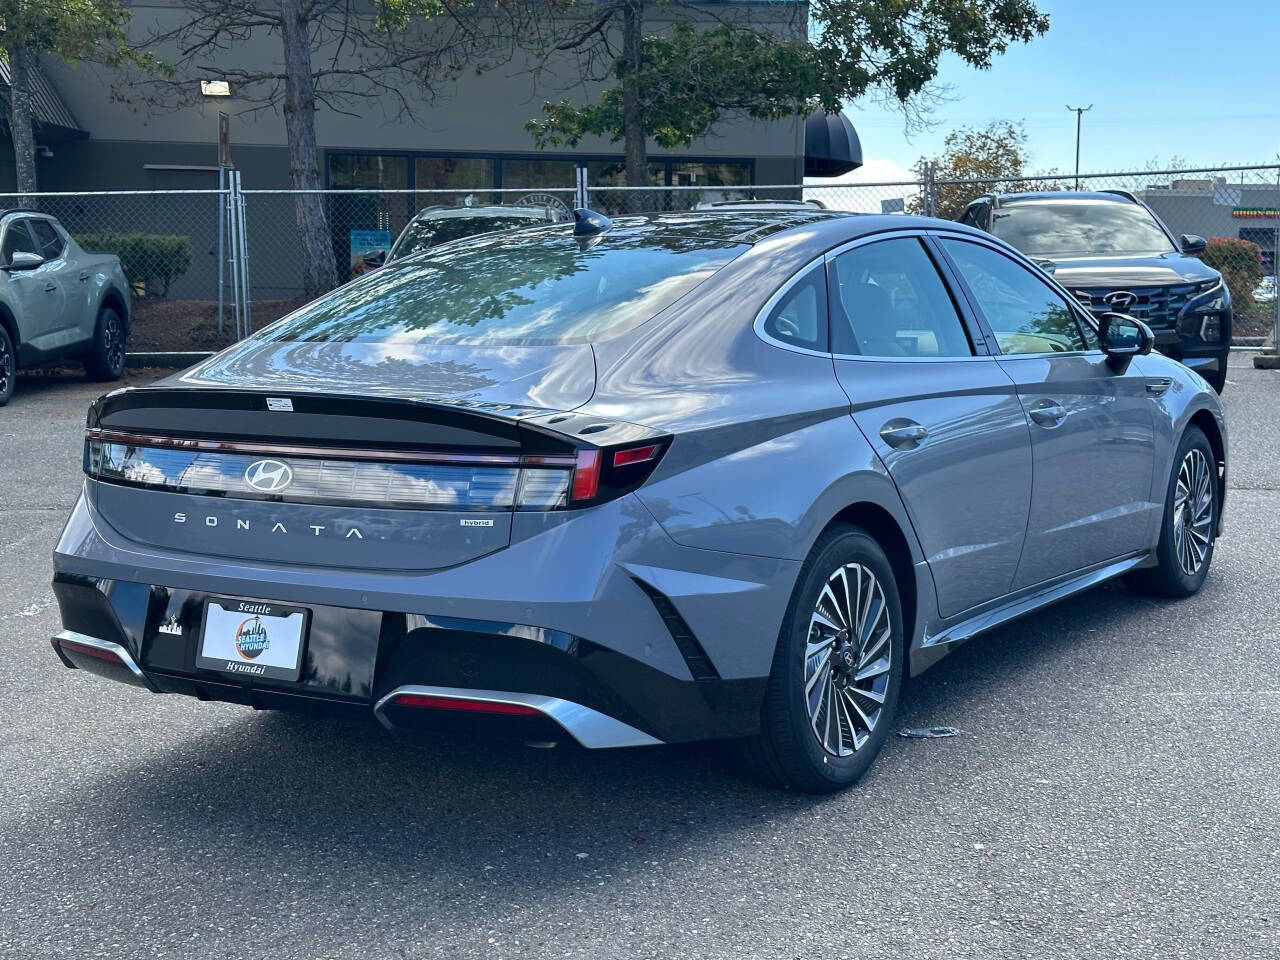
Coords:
590,651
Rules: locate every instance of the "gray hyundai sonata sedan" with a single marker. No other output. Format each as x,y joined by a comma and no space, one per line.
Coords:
720,474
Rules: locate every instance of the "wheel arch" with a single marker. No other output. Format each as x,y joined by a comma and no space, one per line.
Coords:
1208,424
885,529
114,299
11,327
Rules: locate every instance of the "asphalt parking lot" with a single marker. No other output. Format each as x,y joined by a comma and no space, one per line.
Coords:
1113,793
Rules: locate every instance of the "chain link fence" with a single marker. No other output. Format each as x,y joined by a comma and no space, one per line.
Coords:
169,241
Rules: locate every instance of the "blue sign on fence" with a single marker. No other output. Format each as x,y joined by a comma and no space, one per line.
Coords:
368,250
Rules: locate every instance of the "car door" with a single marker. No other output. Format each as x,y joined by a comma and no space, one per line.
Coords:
941,413
1092,427
39,298
73,284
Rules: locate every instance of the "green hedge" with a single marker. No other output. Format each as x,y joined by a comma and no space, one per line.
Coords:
152,259
1240,263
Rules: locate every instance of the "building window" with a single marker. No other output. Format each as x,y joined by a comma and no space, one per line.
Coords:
613,173
538,174
734,178
467,176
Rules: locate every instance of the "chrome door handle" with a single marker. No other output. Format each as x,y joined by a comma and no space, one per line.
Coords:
901,432
84,277
51,288
1047,413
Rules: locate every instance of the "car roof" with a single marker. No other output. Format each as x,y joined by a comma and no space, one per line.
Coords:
495,210
1109,196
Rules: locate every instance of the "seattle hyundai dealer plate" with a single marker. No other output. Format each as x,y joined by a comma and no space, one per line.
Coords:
252,639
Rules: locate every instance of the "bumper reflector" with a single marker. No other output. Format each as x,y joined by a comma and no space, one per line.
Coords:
430,702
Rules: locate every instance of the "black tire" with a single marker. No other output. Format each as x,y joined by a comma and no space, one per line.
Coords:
105,359
8,366
1217,378
787,752
1176,575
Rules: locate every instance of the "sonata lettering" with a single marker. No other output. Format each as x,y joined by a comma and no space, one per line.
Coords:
245,526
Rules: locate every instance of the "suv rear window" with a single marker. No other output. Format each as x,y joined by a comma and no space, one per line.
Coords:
427,233
531,287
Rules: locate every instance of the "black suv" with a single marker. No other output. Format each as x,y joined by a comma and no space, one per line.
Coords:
1115,255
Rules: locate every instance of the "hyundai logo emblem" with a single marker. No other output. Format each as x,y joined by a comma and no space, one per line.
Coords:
269,476
1121,299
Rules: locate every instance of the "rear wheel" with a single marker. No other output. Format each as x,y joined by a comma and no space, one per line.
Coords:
837,672
105,359
1189,523
8,367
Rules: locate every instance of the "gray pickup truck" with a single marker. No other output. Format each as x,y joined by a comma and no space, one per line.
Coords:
57,301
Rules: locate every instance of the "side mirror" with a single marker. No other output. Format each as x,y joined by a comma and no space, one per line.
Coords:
1192,244
25,261
1123,338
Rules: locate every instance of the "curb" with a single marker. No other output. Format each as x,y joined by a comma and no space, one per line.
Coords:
165,359
1267,361
1248,341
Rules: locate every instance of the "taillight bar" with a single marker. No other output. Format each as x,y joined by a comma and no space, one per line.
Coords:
252,447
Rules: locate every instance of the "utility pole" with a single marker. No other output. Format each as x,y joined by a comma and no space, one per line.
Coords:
1079,112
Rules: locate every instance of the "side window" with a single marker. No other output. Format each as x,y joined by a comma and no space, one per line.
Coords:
48,238
971,215
16,240
887,300
800,317
1025,315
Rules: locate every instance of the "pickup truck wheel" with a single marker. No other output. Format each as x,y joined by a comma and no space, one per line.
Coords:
8,367
105,360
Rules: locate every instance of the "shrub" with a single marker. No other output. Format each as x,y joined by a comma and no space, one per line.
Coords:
1239,262
149,258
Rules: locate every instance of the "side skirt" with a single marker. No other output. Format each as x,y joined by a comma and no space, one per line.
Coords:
936,645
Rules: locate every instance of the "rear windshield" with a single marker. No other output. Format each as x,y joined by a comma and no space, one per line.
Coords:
423,234
539,286
1079,228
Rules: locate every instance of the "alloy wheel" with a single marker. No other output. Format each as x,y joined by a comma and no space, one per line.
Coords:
113,343
847,660
1193,512
6,366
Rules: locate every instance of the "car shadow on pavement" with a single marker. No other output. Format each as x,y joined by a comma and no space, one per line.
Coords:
295,793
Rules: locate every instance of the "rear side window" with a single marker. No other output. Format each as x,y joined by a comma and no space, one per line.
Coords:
48,238
800,317
1025,314
16,240
887,300
528,287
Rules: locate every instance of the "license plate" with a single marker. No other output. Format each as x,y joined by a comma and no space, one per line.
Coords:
250,638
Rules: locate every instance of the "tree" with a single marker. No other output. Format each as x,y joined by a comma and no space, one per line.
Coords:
676,85
336,54
72,30
987,159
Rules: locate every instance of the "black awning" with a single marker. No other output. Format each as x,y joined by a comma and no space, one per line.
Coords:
831,145
53,118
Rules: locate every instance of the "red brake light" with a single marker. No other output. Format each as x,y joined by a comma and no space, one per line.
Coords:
624,458
586,475
430,702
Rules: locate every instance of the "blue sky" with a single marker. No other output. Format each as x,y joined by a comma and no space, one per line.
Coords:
1198,81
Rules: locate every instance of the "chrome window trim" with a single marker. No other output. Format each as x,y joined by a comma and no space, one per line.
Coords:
763,314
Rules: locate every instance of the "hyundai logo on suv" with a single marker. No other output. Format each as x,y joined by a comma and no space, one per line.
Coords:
269,476
1120,299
